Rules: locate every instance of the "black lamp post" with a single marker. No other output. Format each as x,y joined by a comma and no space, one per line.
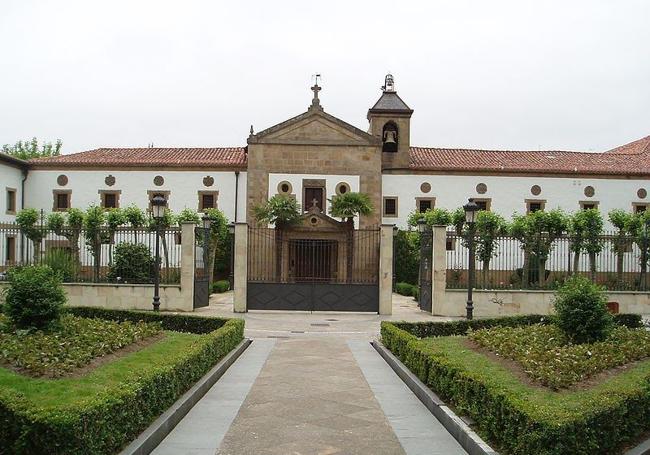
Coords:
158,212
395,231
231,276
424,301
470,218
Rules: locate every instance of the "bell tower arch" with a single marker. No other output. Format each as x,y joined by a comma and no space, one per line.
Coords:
390,119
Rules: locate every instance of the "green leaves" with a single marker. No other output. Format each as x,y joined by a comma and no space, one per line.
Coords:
132,263
280,211
350,204
26,150
433,217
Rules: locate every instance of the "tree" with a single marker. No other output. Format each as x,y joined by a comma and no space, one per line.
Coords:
218,238
93,224
458,220
114,219
159,226
620,219
187,216
585,231
350,205
281,211
489,227
26,150
537,231
433,217
68,225
135,218
639,228
28,222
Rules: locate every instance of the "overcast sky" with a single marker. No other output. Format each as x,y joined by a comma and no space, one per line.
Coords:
518,74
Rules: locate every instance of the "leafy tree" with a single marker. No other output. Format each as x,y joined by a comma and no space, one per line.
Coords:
93,224
639,228
489,227
585,231
281,211
68,225
458,220
28,222
135,218
433,217
218,242
537,231
620,219
160,225
187,215
26,150
133,263
349,205
407,257
114,219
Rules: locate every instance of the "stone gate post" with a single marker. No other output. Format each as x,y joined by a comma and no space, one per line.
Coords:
241,267
439,269
386,269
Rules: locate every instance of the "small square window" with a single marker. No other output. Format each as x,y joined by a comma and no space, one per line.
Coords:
640,208
207,200
11,201
483,204
110,199
61,200
424,204
390,206
586,205
533,206
10,250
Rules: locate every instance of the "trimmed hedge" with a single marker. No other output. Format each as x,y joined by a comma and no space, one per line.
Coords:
405,288
550,424
175,322
220,286
461,326
115,417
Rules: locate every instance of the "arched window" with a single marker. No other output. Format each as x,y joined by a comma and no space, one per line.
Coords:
390,137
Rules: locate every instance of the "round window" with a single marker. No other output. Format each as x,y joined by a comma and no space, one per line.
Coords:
425,187
481,188
284,187
342,188
589,191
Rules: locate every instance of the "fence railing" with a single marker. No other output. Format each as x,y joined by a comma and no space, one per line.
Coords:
617,266
123,255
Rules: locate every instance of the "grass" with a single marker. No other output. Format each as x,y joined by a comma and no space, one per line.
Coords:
75,342
543,404
69,392
550,359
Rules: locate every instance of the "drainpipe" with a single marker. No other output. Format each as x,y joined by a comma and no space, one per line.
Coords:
22,206
236,192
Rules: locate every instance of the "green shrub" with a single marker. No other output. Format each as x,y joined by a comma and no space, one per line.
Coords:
416,293
62,262
629,320
220,286
404,288
114,417
523,420
581,308
407,256
132,263
34,297
461,326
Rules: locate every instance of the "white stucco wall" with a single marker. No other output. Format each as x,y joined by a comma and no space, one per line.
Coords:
331,182
182,185
10,177
508,194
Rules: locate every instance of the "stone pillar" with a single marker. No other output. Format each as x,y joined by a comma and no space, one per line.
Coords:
439,269
188,251
241,267
386,269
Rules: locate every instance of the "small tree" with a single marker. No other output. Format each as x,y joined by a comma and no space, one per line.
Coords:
639,228
218,238
187,216
135,218
489,227
34,297
159,226
585,231
28,222
458,220
68,225
581,308
26,150
620,219
407,256
350,205
114,219
93,224
133,263
281,211
433,217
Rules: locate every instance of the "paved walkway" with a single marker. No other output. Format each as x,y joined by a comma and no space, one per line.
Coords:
310,384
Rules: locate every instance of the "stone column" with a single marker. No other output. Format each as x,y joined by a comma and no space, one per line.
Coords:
386,269
439,269
241,266
188,251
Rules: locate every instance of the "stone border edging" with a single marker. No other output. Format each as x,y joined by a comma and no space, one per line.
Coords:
641,449
150,438
466,437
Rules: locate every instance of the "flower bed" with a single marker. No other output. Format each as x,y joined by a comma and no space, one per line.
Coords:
515,417
550,359
104,410
73,344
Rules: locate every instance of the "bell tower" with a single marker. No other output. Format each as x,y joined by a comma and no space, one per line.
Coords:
390,119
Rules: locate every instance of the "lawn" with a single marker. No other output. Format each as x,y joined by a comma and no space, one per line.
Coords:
599,415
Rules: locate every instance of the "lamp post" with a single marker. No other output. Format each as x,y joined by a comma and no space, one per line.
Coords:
231,276
470,218
424,301
158,212
395,231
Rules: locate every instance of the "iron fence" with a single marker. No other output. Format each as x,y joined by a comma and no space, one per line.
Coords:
122,255
617,266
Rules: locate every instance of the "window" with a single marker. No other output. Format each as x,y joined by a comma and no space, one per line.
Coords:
10,250
313,196
483,204
424,203
342,188
152,193
390,206
535,205
11,201
110,199
639,207
61,200
284,187
586,205
207,200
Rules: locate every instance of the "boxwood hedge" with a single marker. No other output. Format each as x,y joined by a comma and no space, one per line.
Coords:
116,416
518,419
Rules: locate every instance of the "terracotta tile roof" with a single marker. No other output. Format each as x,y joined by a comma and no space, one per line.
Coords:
228,157
543,162
639,146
